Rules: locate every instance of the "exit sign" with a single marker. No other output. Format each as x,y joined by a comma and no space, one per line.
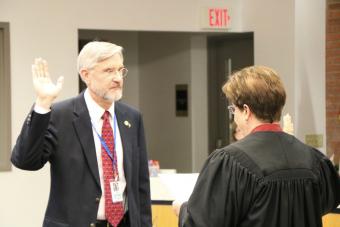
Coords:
215,18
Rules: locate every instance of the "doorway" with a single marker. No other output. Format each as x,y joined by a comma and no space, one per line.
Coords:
226,54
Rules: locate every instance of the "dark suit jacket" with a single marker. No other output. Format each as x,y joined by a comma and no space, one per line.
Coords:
64,138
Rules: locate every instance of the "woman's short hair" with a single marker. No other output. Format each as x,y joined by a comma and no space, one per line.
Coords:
95,52
260,88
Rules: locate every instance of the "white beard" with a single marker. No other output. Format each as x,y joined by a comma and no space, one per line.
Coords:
112,97
115,97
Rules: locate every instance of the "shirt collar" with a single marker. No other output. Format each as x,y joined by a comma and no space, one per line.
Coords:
267,127
96,111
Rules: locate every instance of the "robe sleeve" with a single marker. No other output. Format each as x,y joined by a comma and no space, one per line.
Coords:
329,184
222,190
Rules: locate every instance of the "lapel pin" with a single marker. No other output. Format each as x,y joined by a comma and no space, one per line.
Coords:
127,124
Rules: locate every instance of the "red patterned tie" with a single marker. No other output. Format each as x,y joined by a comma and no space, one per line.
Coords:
114,212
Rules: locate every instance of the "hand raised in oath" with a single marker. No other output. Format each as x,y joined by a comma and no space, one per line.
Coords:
45,89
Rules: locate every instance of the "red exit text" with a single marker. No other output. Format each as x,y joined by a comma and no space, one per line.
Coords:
218,17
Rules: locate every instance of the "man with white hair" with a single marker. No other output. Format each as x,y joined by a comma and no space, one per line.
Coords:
95,145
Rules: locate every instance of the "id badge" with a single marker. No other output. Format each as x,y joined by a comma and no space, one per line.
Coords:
116,191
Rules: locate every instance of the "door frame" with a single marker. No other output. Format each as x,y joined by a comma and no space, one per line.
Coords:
5,98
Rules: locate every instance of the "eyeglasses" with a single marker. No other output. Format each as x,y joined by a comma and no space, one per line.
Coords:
231,109
117,73
120,73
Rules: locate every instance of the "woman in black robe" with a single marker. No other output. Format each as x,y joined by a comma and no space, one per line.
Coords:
267,179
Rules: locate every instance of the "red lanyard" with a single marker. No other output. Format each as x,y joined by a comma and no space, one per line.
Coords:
267,127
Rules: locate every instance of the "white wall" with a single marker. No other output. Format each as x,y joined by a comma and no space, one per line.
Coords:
164,63
273,23
290,37
167,59
50,29
310,60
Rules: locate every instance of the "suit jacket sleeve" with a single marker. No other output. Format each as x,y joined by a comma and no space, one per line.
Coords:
36,142
144,180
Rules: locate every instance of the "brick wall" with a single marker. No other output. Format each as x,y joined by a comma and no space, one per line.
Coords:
333,79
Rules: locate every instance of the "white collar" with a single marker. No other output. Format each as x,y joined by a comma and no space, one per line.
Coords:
96,111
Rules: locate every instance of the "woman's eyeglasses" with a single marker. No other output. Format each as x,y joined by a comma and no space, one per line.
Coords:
231,109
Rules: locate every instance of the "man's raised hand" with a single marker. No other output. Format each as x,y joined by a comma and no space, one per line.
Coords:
45,89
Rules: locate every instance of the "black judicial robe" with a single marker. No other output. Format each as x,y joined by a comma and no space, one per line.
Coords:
267,179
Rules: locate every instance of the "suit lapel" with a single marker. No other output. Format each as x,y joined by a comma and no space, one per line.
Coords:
83,128
124,130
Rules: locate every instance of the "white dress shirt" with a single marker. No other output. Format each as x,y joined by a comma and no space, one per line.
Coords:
96,112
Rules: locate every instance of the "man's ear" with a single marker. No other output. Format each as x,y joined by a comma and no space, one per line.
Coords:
84,74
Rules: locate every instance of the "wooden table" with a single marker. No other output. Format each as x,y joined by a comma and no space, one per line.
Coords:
332,219
163,215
